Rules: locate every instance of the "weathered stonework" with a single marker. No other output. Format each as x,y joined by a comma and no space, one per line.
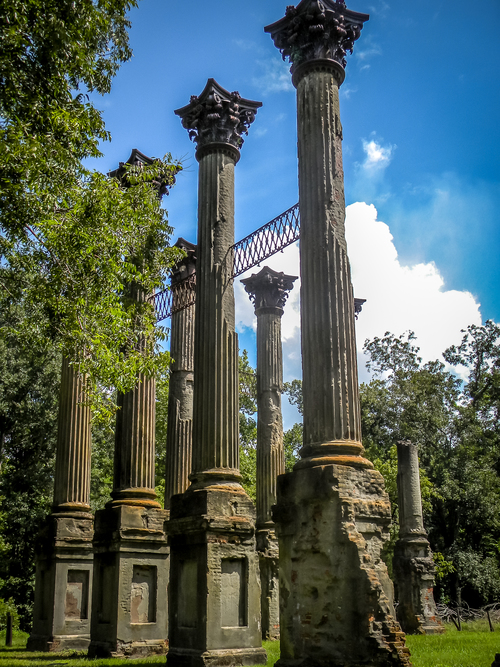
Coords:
129,603
214,603
269,290
180,389
63,586
413,563
335,592
332,513
215,593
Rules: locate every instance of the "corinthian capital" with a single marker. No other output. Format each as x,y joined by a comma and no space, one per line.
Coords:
317,30
268,288
218,116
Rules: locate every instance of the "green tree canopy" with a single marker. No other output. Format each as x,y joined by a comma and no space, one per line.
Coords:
455,425
71,240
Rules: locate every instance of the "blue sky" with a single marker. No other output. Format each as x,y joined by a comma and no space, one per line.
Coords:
420,111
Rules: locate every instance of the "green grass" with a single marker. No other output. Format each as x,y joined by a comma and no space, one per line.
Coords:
17,656
475,646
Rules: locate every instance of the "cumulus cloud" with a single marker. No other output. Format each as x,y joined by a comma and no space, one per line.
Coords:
401,298
398,297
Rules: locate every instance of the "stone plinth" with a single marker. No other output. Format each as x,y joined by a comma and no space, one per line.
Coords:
214,604
413,563
332,513
215,592
129,606
180,390
269,290
63,585
335,592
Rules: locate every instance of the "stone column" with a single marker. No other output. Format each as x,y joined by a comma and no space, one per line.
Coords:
61,618
333,513
129,604
269,291
413,563
215,601
180,390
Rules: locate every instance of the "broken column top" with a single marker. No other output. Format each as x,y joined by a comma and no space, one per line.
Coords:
162,181
317,30
187,265
217,117
268,288
409,497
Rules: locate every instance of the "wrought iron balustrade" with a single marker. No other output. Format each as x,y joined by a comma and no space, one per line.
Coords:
266,241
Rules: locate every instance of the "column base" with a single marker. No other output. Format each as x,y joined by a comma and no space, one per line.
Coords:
218,658
58,643
414,577
336,595
215,600
63,584
268,549
129,605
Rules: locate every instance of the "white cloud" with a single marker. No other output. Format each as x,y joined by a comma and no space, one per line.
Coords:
377,156
398,297
401,298
275,77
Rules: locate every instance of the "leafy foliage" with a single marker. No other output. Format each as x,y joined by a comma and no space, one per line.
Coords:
72,241
8,607
29,387
248,425
293,390
455,425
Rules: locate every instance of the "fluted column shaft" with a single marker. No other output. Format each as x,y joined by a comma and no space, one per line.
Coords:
215,407
409,497
180,403
270,450
332,424
134,463
72,476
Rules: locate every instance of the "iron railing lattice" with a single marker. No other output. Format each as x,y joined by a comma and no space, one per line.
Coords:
245,254
266,241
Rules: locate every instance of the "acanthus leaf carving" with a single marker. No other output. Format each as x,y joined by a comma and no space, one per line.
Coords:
317,30
218,116
268,288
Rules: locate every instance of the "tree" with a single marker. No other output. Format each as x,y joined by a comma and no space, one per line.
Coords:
73,243
248,425
73,240
29,388
407,400
455,426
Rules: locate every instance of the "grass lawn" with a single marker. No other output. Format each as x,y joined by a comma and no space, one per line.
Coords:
475,646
